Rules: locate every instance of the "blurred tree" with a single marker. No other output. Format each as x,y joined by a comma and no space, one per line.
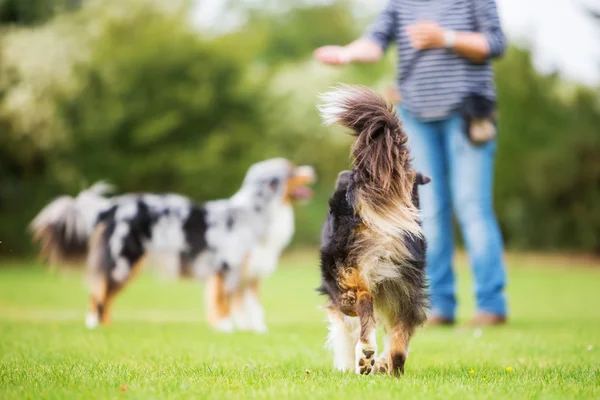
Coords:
162,109
27,12
293,35
548,166
126,90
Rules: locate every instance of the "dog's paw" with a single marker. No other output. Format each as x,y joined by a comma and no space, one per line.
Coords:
224,325
365,358
91,321
259,327
381,366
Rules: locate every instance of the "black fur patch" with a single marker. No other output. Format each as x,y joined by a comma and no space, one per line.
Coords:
230,222
336,237
106,262
398,361
107,215
224,267
100,310
194,228
139,231
274,183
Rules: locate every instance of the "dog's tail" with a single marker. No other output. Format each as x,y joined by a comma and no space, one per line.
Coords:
63,228
383,176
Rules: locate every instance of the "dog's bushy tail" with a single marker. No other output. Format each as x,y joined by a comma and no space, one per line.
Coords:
383,175
63,228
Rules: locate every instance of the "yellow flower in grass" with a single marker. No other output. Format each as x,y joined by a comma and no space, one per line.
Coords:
484,379
509,369
472,371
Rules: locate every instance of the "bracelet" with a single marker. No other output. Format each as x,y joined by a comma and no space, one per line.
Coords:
449,39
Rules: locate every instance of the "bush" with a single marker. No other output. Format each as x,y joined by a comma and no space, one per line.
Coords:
150,106
128,91
548,166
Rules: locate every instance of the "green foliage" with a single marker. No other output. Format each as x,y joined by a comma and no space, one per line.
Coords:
126,90
27,12
161,109
292,36
548,166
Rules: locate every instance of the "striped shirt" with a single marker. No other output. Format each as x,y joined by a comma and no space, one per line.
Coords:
434,82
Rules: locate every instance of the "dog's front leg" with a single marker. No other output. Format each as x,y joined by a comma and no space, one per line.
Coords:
218,304
239,314
382,363
255,309
366,348
247,312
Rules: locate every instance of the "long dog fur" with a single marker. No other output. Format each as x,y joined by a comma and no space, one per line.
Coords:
373,251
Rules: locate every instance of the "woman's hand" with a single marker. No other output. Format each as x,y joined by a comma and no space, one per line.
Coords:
360,51
425,35
429,35
332,55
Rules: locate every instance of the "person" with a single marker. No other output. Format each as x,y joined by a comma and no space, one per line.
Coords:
445,48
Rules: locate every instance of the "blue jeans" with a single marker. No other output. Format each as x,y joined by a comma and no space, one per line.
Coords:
461,181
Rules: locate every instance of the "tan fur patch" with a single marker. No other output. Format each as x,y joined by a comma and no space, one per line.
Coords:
366,314
218,303
255,288
399,339
293,183
352,284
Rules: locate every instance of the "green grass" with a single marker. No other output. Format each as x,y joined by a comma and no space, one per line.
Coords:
160,347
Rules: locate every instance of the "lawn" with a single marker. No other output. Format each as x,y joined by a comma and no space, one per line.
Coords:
159,346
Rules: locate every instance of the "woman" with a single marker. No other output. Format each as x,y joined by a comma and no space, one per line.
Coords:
445,48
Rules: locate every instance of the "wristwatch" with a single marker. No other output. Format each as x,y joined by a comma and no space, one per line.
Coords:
449,39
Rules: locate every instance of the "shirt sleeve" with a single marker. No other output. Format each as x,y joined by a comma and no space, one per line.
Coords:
488,23
383,30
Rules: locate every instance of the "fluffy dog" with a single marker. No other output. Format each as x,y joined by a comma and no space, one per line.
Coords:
234,242
373,251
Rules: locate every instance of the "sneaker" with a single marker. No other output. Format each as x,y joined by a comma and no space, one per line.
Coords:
439,320
487,319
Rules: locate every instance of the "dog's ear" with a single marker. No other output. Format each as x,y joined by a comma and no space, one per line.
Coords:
422,179
343,179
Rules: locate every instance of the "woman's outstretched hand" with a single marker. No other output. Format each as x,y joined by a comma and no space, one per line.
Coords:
332,55
359,51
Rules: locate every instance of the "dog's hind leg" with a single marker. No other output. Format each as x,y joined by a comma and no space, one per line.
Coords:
114,288
399,336
98,264
102,293
110,270
342,338
98,285
366,348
